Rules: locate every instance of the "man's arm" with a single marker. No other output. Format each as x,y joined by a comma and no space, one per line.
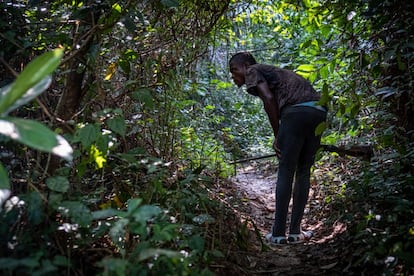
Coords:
272,109
270,105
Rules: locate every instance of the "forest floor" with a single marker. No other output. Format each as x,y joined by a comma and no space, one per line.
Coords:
251,196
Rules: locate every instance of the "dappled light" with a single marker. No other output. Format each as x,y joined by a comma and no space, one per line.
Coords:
63,148
4,195
8,129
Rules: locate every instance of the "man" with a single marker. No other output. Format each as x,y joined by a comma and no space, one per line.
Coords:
291,104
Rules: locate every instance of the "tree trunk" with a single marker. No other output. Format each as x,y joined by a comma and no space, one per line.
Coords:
71,97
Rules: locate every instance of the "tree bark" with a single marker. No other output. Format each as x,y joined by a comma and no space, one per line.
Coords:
72,95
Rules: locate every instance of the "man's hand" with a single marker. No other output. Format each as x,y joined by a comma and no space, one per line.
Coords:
277,150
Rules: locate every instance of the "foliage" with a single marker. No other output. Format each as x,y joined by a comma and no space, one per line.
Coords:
385,225
123,97
382,232
30,83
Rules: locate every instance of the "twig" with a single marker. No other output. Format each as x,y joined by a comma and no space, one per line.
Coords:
45,110
88,36
12,41
12,71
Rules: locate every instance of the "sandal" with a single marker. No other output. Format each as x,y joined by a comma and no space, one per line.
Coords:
275,240
300,238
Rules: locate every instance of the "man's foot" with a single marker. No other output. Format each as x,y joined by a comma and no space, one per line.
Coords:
275,240
300,238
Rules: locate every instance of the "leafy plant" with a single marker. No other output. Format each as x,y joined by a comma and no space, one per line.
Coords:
34,80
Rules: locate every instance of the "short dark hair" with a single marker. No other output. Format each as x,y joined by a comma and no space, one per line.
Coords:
243,58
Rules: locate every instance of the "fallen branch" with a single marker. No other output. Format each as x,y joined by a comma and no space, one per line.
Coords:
364,151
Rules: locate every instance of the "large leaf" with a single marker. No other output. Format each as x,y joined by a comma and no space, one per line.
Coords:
306,68
143,95
117,124
35,135
58,184
27,97
78,212
87,134
34,72
4,179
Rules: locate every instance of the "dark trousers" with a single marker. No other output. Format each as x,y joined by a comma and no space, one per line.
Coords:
298,144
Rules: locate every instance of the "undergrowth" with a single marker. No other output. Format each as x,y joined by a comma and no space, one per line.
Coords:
374,199
136,222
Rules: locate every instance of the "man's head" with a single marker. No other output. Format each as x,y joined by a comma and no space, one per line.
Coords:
239,63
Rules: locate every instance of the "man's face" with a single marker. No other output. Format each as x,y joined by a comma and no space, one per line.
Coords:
238,72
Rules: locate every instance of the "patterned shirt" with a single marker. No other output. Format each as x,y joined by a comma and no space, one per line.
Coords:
289,87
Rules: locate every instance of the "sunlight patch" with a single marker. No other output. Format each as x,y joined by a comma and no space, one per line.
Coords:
4,195
8,129
63,149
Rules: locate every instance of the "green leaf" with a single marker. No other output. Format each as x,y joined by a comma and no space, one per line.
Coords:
306,68
117,231
34,72
4,180
196,243
320,128
164,233
102,143
324,72
26,97
87,135
58,184
35,208
78,212
98,156
222,84
146,212
60,260
35,135
154,252
170,3
114,266
11,263
117,124
144,96
116,8
133,204
107,213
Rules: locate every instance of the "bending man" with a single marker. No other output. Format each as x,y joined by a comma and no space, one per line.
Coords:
291,104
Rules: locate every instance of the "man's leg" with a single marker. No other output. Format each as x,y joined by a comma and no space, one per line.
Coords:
306,160
290,145
300,197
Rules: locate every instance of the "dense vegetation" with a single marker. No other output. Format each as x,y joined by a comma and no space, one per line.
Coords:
140,91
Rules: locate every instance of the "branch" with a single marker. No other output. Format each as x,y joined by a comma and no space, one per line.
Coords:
364,151
14,73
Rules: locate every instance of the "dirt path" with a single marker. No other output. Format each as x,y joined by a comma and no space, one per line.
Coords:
254,186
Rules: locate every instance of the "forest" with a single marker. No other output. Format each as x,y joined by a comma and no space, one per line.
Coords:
121,133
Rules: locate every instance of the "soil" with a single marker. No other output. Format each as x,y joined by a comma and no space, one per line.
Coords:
251,195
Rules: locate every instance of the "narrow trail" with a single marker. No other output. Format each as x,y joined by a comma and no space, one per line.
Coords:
254,187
